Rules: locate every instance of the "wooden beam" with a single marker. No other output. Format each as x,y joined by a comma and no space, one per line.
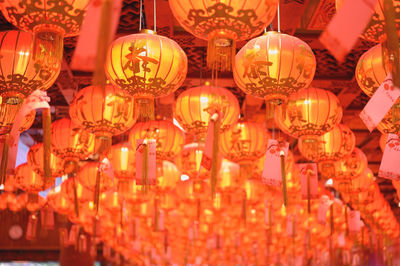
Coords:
66,83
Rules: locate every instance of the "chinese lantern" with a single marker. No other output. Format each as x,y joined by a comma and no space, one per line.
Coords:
7,116
146,66
168,177
28,180
58,199
391,121
104,113
382,141
122,158
308,112
348,167
244,143
35,160
70,143
273,66
372,69
375,30
87,176
223,23
169,138
194,107
333,145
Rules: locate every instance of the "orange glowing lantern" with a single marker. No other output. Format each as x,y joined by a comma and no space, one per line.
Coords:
333,145
122,158
169,138
147,66
103,112
58,199
223,23
88,174
382,141
194,107
70,143
348,167
168,177
391,121
21,73
264,66
35,160
7,116
309,112
28,180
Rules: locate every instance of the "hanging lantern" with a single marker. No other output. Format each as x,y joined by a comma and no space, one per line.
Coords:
70,143
273,66
169,138
194,107
58,199
146,66
88,174
391,121
122,158
7,116
348,167
35,160
104,113
28,180
375,30
372,69
333,145
168,177
309,112
223,23
21,74
382,141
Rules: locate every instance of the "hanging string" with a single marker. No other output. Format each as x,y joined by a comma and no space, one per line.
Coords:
155,16
279,18
140,14
265,30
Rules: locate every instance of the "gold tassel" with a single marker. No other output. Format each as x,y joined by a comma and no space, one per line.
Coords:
155,225
145,107
145,168
46,123
395,113
96,199
215,159
284,189
270,109
220,52
76,206
102,146
4,161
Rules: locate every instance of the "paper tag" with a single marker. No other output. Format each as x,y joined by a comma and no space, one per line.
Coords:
341,239
380,103
84,57
272,172
308,171
151,159
323,207
106,167
36,100
389,167
354,221
208,147
343,30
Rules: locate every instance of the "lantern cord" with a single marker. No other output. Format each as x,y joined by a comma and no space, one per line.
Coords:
279,17
265,30
155,16
140,14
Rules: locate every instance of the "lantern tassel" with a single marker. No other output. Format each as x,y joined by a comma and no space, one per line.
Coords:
308,192
97,192
395,113
4,162
284,188
145,167
145,108
156,218
46,123
76,206
220,52
215,159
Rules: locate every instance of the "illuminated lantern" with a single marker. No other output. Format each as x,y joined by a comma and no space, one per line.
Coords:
348,167
28,180
35,160
169,138
58,199
168,177
33,202
131,192
70,143
223,23
372,69
87,176
391,121
194,107
333,145
7,116
229,176
146,66
21,74
104,113
122,158
83,194
308,112
273,66
375,30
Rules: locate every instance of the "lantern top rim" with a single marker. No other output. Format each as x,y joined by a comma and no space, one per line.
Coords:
147,31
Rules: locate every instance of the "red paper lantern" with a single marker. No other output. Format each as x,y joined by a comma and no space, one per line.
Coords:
87,177
35,160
